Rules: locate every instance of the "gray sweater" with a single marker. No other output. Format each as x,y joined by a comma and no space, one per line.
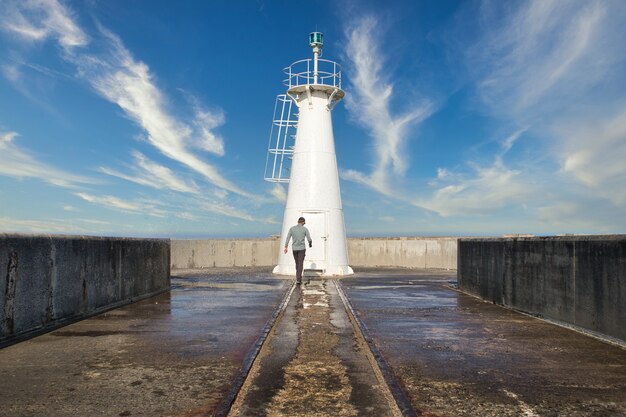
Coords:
298,233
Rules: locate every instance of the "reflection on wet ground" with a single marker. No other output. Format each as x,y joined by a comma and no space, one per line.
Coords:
174,354
459,356
179,353
314,364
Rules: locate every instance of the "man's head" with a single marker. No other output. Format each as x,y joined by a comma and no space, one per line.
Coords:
301,220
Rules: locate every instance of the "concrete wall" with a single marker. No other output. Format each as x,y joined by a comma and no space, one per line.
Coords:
211,253
405,252
580,280
47,281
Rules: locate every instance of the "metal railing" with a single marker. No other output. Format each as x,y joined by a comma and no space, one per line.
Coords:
302,73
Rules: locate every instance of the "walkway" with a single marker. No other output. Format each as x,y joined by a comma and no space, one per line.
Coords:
187,353
175,354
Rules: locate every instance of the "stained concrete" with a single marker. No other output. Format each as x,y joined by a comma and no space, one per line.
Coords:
47,281
403,252
176,354
456,355
181,354
580,280
314,364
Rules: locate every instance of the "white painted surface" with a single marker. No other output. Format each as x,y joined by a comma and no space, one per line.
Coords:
314,183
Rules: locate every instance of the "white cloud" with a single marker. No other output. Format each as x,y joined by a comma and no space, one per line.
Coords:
227,210
185,215
370,105
117,203
37,20
20,163
487,190
553,68
121,79
230,211
124,81
38,226
12,72
151,174
205,122
594,153
278,191
510,140
110,201
543,54
92,221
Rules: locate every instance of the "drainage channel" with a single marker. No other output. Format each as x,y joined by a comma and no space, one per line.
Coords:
377,360
315,361
226,404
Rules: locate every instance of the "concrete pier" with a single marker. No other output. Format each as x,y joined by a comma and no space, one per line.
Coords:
456,355
415,345
176,354
315,364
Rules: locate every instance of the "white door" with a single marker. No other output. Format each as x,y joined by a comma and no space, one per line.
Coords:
316,256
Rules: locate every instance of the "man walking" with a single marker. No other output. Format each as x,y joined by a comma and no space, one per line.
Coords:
298,233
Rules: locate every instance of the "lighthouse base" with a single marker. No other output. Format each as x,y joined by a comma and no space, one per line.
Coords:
309,270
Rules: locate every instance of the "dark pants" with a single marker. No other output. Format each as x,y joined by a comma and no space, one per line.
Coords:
298,255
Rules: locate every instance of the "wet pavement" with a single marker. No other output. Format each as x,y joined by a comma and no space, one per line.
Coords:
314,364
186,353
458,356
174,354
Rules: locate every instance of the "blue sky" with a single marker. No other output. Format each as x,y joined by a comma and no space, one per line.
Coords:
152,118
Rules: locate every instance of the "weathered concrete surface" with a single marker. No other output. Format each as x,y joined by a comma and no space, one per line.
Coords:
47,280
580,280
175,354
210,253
402,252
459,356
313,364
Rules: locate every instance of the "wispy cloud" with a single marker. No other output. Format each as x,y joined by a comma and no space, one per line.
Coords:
151,174
370,105
595,153
37,20
120,204
483,191
185,215
20,163
230,211
556,68
542,54
8,224
121,79
278,191
206,122
73,225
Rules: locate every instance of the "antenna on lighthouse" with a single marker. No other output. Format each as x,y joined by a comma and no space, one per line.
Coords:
316,42
307,162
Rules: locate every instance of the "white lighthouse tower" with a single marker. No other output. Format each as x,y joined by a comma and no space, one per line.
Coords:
314,88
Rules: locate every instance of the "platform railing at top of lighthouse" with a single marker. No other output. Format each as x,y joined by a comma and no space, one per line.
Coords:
303,73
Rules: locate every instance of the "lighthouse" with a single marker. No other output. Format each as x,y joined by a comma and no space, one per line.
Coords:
302,153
